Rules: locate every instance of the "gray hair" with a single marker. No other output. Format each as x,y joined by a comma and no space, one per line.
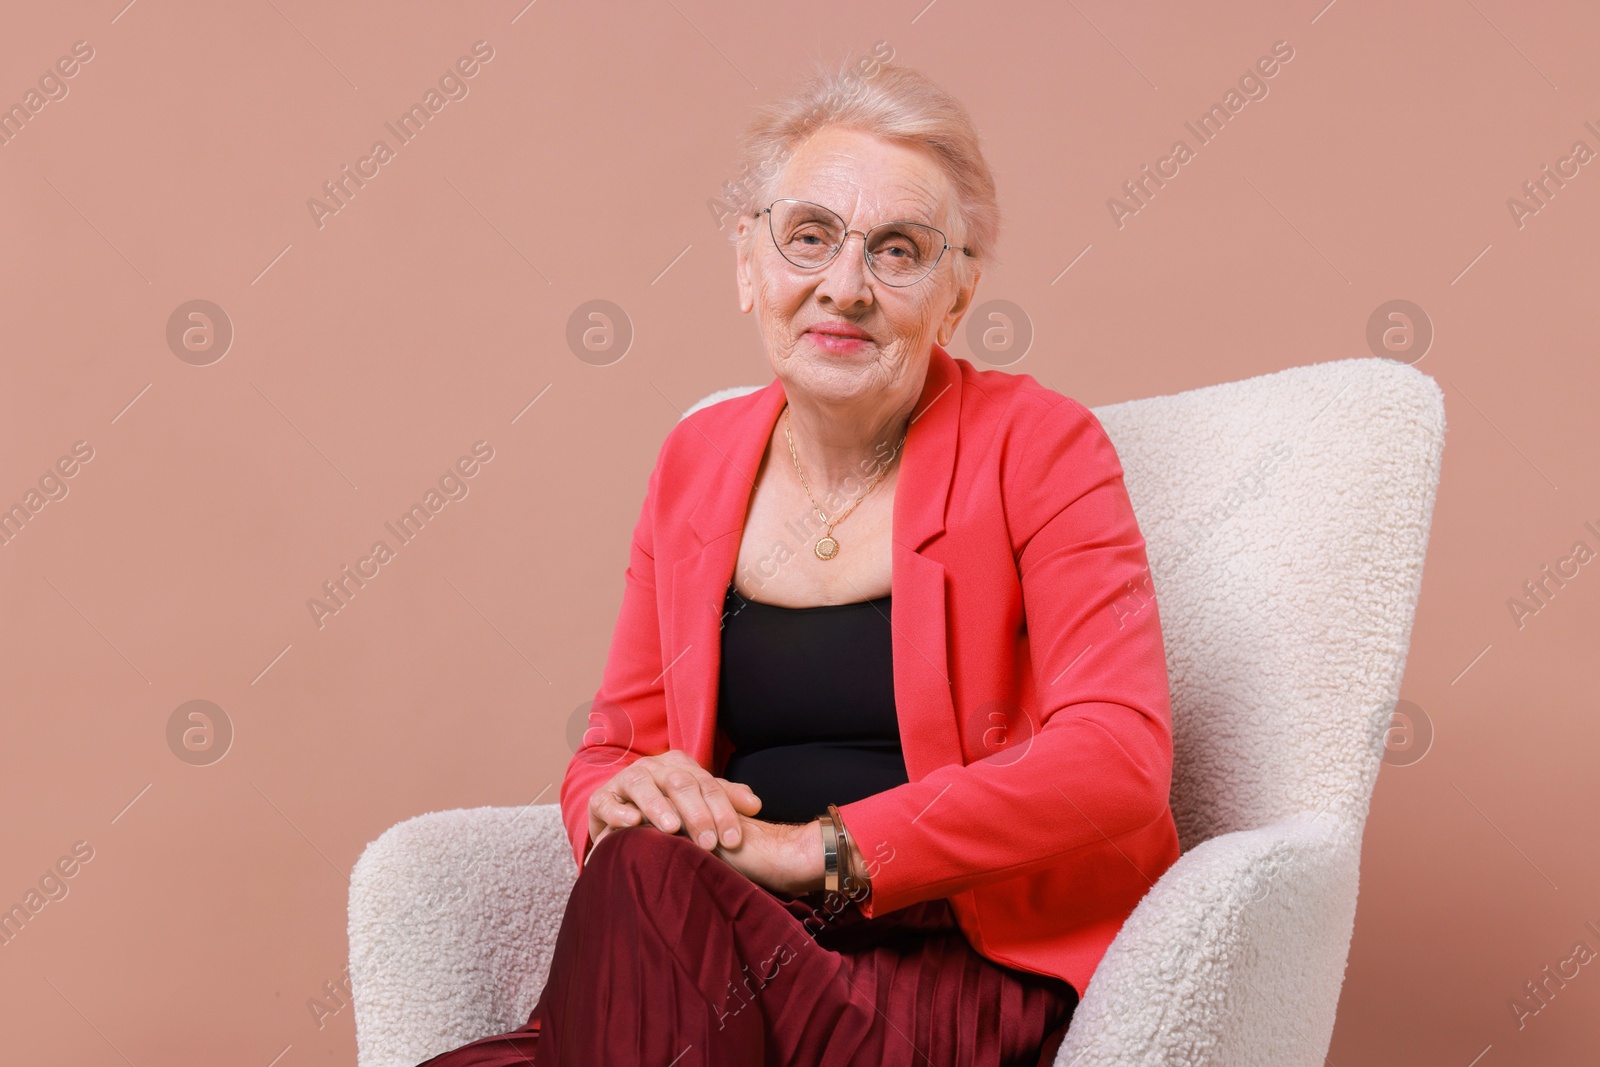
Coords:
897,103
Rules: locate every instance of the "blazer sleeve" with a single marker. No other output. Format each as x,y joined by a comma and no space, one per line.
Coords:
1099,765
628,718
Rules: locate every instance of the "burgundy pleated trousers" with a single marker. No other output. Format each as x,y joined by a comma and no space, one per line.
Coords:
668,957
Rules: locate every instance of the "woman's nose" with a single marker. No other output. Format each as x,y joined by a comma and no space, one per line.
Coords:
845,276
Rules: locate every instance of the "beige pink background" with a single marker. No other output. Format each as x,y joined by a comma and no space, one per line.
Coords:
431,312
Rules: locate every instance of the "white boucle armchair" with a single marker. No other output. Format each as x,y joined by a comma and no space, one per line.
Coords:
1286,518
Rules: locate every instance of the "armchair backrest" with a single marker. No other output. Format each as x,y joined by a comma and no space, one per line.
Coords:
1286,518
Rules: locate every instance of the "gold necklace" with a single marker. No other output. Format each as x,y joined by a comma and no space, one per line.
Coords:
828,546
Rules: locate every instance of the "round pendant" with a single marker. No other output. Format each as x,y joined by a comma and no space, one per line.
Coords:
827,548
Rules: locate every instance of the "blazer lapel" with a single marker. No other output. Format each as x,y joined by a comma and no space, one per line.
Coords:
929,734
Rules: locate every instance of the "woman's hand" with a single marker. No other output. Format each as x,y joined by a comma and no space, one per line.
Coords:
783,857
675,794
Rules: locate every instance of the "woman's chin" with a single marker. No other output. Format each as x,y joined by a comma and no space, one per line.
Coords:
829,376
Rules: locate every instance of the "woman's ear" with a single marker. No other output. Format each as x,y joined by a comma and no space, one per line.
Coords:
958,307
743,266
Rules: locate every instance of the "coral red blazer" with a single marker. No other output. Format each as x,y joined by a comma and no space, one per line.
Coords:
1030,679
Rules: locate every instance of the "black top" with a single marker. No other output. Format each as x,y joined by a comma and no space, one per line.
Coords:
807,699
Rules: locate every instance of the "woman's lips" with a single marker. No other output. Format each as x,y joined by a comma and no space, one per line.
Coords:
838,343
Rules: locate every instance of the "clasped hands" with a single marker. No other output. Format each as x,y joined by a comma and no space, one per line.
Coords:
676,795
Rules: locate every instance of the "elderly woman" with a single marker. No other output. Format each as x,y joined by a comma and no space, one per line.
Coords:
880,760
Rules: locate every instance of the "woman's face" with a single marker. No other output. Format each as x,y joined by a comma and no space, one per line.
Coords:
865,180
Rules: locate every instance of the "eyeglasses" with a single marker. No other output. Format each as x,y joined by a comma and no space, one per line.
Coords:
810,236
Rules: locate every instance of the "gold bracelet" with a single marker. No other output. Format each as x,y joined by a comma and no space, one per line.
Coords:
847,879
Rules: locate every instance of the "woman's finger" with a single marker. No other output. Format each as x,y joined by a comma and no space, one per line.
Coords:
637,784
744,798
677,795
701,805
727,802
608,810
704,813
724,800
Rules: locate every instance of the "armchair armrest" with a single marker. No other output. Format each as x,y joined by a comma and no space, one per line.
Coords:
453,921
1235,956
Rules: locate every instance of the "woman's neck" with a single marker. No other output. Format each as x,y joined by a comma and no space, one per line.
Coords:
842,448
